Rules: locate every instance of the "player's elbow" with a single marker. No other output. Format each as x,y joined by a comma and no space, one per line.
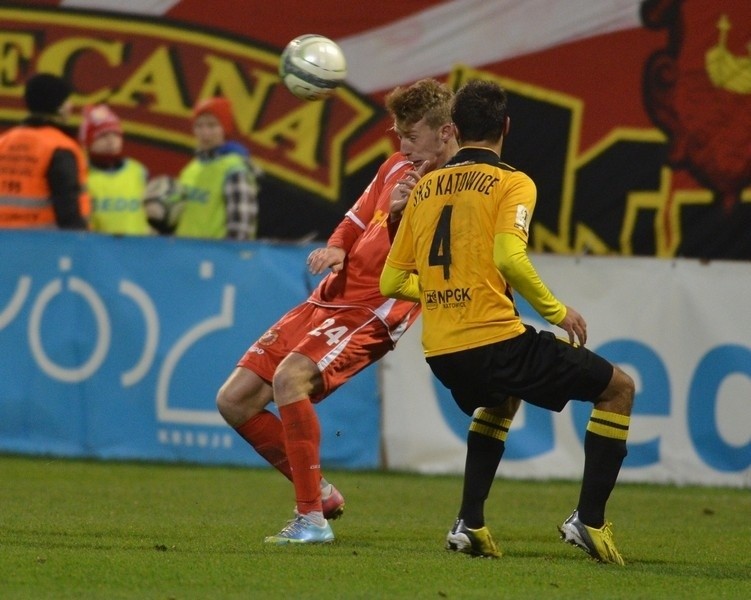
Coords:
507,266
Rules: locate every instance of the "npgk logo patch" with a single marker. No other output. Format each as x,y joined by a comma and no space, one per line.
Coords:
453,298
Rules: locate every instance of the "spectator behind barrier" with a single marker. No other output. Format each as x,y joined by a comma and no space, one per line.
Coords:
42,168
220,184
116,183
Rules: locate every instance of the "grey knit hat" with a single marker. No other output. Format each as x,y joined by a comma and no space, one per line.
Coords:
46,93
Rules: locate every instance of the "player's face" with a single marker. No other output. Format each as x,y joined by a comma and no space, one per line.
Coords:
420,143
208,131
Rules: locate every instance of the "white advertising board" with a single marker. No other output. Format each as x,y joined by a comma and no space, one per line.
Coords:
680,328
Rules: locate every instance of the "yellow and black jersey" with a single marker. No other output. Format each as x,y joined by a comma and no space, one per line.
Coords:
447,235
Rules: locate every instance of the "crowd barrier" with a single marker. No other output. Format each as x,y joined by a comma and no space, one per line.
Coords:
679,327
114,349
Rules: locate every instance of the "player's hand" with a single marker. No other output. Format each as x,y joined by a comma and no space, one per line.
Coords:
575,325
403,188
330,257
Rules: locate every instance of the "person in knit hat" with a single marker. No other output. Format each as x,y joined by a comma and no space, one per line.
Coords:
43,170
47,94
221,109
117,183
220,184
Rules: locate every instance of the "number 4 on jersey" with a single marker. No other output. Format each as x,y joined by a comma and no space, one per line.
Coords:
440,247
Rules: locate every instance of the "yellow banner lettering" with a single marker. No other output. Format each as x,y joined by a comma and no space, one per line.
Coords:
58,58
301,129
14,48
224,79
156,78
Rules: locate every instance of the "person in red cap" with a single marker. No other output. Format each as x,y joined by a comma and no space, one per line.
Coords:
116,183
42,168
220,184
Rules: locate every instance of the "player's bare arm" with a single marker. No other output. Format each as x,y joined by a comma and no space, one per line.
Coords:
330,257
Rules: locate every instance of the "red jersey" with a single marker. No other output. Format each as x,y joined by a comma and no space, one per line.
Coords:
364,235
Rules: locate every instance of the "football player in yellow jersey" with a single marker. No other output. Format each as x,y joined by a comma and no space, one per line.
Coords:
460,250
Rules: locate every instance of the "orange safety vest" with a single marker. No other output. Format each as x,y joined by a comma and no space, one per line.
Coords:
25,156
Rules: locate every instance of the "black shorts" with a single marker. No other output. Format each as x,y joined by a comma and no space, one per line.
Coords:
536,366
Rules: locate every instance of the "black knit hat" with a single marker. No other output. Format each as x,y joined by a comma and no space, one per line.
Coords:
46,93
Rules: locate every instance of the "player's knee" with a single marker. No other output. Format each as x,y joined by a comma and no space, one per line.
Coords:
295,378
504,409
627,390
241,396
618,397
227,399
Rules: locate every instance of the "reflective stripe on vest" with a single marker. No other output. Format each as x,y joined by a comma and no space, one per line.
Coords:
25,155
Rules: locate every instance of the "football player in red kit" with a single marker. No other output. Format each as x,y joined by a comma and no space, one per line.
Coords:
344,326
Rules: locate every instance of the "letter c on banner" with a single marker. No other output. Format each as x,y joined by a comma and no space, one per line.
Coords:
712,370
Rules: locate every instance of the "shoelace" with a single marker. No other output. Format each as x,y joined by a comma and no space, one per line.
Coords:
293,527
607,534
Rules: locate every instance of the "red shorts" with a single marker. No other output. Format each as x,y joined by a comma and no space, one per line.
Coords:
341,341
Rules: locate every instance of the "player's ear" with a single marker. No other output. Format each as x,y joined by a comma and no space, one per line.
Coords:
506,125
447,132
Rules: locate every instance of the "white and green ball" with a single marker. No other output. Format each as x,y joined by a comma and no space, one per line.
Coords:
164,201
312,67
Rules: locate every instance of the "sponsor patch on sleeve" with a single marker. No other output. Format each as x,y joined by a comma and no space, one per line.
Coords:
522,218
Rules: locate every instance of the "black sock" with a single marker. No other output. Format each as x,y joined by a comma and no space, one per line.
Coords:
486,441
604,451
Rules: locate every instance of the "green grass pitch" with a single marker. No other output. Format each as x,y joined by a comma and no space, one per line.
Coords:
77,529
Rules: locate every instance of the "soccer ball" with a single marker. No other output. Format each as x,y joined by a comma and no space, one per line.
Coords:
312,67
163,201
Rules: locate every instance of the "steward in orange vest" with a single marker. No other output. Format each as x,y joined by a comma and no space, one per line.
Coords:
43,169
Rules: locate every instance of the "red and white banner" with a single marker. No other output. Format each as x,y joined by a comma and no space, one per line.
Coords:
631,116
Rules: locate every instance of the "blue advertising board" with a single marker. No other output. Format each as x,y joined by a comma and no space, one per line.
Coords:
114,347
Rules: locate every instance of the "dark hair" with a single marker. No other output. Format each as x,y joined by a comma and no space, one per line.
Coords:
45,93
479,111
427,98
